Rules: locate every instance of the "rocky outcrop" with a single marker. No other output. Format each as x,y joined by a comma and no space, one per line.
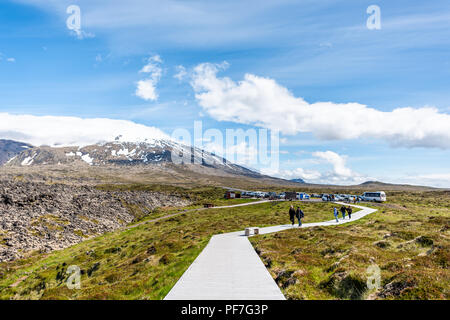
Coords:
38,216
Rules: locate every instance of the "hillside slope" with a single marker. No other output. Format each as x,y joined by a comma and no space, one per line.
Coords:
157,161
152,162
10,148
38,216
407,242
122,153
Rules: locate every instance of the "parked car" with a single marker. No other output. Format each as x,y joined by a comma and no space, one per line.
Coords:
272,195
302,196
259,194
282,195
230,195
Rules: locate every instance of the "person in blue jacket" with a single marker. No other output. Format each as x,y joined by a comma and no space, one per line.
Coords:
299,213
336,213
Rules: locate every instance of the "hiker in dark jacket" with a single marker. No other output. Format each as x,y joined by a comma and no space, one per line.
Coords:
292,214
299,214
349,211
343,212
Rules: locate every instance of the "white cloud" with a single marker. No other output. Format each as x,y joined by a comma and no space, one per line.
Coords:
263,102
72,131
181,73
436,176
343,175
152,22
152,66
11,59
326,45
336,160
241,153
340,173
308,175
440,180
146,88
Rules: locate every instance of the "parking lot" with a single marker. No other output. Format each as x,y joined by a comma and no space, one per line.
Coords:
378,196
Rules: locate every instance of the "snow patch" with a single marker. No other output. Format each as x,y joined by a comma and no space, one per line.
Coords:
123,152
86,158
11,159
27,161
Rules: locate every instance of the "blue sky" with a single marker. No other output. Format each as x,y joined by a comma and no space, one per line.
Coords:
318,51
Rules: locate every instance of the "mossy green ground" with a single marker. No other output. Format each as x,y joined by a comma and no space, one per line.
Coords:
408,238
143,262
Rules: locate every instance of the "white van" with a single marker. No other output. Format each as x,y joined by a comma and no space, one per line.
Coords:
378,196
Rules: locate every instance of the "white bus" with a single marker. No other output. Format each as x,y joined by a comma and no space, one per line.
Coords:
378,196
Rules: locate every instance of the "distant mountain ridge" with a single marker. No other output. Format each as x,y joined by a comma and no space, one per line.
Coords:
10,148
157,154
380,186
372,182
121,153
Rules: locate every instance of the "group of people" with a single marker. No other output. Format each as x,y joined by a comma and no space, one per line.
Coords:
343,210
298,213
293,213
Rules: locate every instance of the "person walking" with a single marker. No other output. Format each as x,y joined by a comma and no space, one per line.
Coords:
292,214
336,214
343,212
299,214
349,211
